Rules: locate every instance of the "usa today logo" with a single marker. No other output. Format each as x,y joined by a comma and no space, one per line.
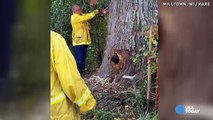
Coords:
180,110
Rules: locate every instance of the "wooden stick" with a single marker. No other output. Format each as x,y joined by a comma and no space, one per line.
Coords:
149,68
156,96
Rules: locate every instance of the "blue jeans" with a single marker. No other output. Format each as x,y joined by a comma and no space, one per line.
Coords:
80,53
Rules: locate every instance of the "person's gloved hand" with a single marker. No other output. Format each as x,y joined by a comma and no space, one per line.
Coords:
96,11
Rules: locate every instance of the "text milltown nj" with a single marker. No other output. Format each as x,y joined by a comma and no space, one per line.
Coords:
186,4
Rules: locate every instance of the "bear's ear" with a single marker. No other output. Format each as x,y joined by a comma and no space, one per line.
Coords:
115,53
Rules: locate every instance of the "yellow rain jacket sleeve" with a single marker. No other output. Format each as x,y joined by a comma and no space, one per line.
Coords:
67,78
80,28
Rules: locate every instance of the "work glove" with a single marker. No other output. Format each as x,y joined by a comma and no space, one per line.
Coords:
96,11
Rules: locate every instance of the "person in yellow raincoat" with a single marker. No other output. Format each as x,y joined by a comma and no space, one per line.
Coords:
81,35
70,96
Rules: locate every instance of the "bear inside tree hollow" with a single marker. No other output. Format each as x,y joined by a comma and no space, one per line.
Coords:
116,60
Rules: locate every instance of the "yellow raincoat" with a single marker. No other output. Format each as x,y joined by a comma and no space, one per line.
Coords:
70,96
80,28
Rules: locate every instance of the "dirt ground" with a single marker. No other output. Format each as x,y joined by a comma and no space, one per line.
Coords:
112,97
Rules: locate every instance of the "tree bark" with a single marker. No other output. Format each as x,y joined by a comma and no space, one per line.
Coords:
125,25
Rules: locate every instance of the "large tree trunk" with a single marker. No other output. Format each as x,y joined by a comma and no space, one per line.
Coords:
126,21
